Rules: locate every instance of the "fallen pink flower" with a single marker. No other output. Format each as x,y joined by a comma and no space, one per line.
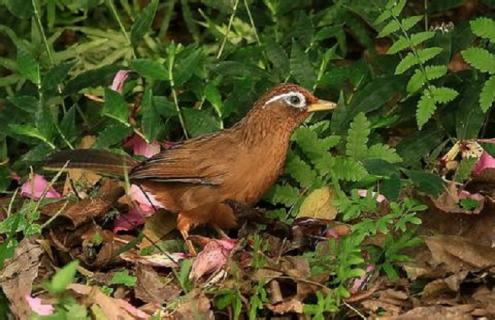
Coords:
38,307
212,258
147,202
379,198
128,221
35,187
486,161
119,80
141,148
358,284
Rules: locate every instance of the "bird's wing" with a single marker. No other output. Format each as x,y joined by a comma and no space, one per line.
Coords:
193,161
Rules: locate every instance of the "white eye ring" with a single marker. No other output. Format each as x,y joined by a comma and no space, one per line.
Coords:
294,99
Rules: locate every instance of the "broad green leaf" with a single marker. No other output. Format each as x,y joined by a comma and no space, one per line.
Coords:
426,108
143,23
409,22
426,182
27,103
199,122
186,66
300,170
277,56
115,107
480,59
151,121
487,95
56,75
213,96
92,78
149,68
29,131
27,66
68,124
357,137
443,94
63,278
484,27
469,118
418,79
300,66
389,28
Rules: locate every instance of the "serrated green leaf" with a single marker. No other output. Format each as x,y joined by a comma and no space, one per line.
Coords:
63,278
415,39
487,94
56,75
124,278
29,131
186,66
398,7
407,62
443,94
199,122
311,145
428,53
213,96
389,28
151,121
300,66
420,37
409,22
382,17
484,27
20,8
300,170
277,56
283,194
115,107
383,152
426,108
357,137
143,22
348,169
27,103
399,45
480,59
418,79
149,68
27,66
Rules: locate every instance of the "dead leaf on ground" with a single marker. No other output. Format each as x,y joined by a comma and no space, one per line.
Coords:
459,312
458,254
450,200
157,227
17,277
440,287
288,306
195,305
319,204
151,288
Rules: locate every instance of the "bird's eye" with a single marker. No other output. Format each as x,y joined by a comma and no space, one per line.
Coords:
294,100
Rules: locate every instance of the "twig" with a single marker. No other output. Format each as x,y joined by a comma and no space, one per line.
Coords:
229,26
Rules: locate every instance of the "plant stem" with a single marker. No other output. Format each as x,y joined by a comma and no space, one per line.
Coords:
111,5
42,31
229,26
171,60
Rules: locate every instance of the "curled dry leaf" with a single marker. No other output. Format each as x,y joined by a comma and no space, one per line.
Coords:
16,279
151,288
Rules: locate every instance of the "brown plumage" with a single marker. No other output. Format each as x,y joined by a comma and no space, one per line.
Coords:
195,178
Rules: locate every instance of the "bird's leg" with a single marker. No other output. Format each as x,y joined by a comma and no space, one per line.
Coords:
183,225
220,232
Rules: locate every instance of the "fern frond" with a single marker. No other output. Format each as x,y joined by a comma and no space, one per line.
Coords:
426,108
283,194
300,170
348,169
357,137
383,152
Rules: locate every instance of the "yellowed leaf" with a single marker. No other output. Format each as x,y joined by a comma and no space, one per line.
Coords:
319,204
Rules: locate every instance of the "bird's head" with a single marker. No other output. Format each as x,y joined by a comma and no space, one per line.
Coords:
290,103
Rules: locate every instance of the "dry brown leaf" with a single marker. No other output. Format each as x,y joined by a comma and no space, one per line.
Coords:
319,204
450,200
195,305
439,287
458,254
151,288
460,312
156,227
16,279
289,306
486,298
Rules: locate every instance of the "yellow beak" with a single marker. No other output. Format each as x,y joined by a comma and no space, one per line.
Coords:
321,105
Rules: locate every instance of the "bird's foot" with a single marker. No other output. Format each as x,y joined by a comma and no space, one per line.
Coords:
221,233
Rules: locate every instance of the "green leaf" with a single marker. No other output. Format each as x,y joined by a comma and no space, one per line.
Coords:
185,67
426,108
68,124
149,69
56,75
123,277
389,28
63,278
398,7
420,37
29,131
443,94
428,53
311,145
27,103
399,45
283,194
277,56
426,182
348,169
384,152
143,23
480,59
300,170
151,121
357,137
487,94
300,66
484,27
213,96
382,17
27,66
115,107
409,22
113,133
20,8
406,63
92,78
418,79
199,122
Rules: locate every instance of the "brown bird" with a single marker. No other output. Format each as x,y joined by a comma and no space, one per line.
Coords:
197,177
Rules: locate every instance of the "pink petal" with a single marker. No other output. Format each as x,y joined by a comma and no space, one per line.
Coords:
357,284
128,221
146,201
119,80
38,307
379,198
332,233
34,188
212,258
486,161
141,148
